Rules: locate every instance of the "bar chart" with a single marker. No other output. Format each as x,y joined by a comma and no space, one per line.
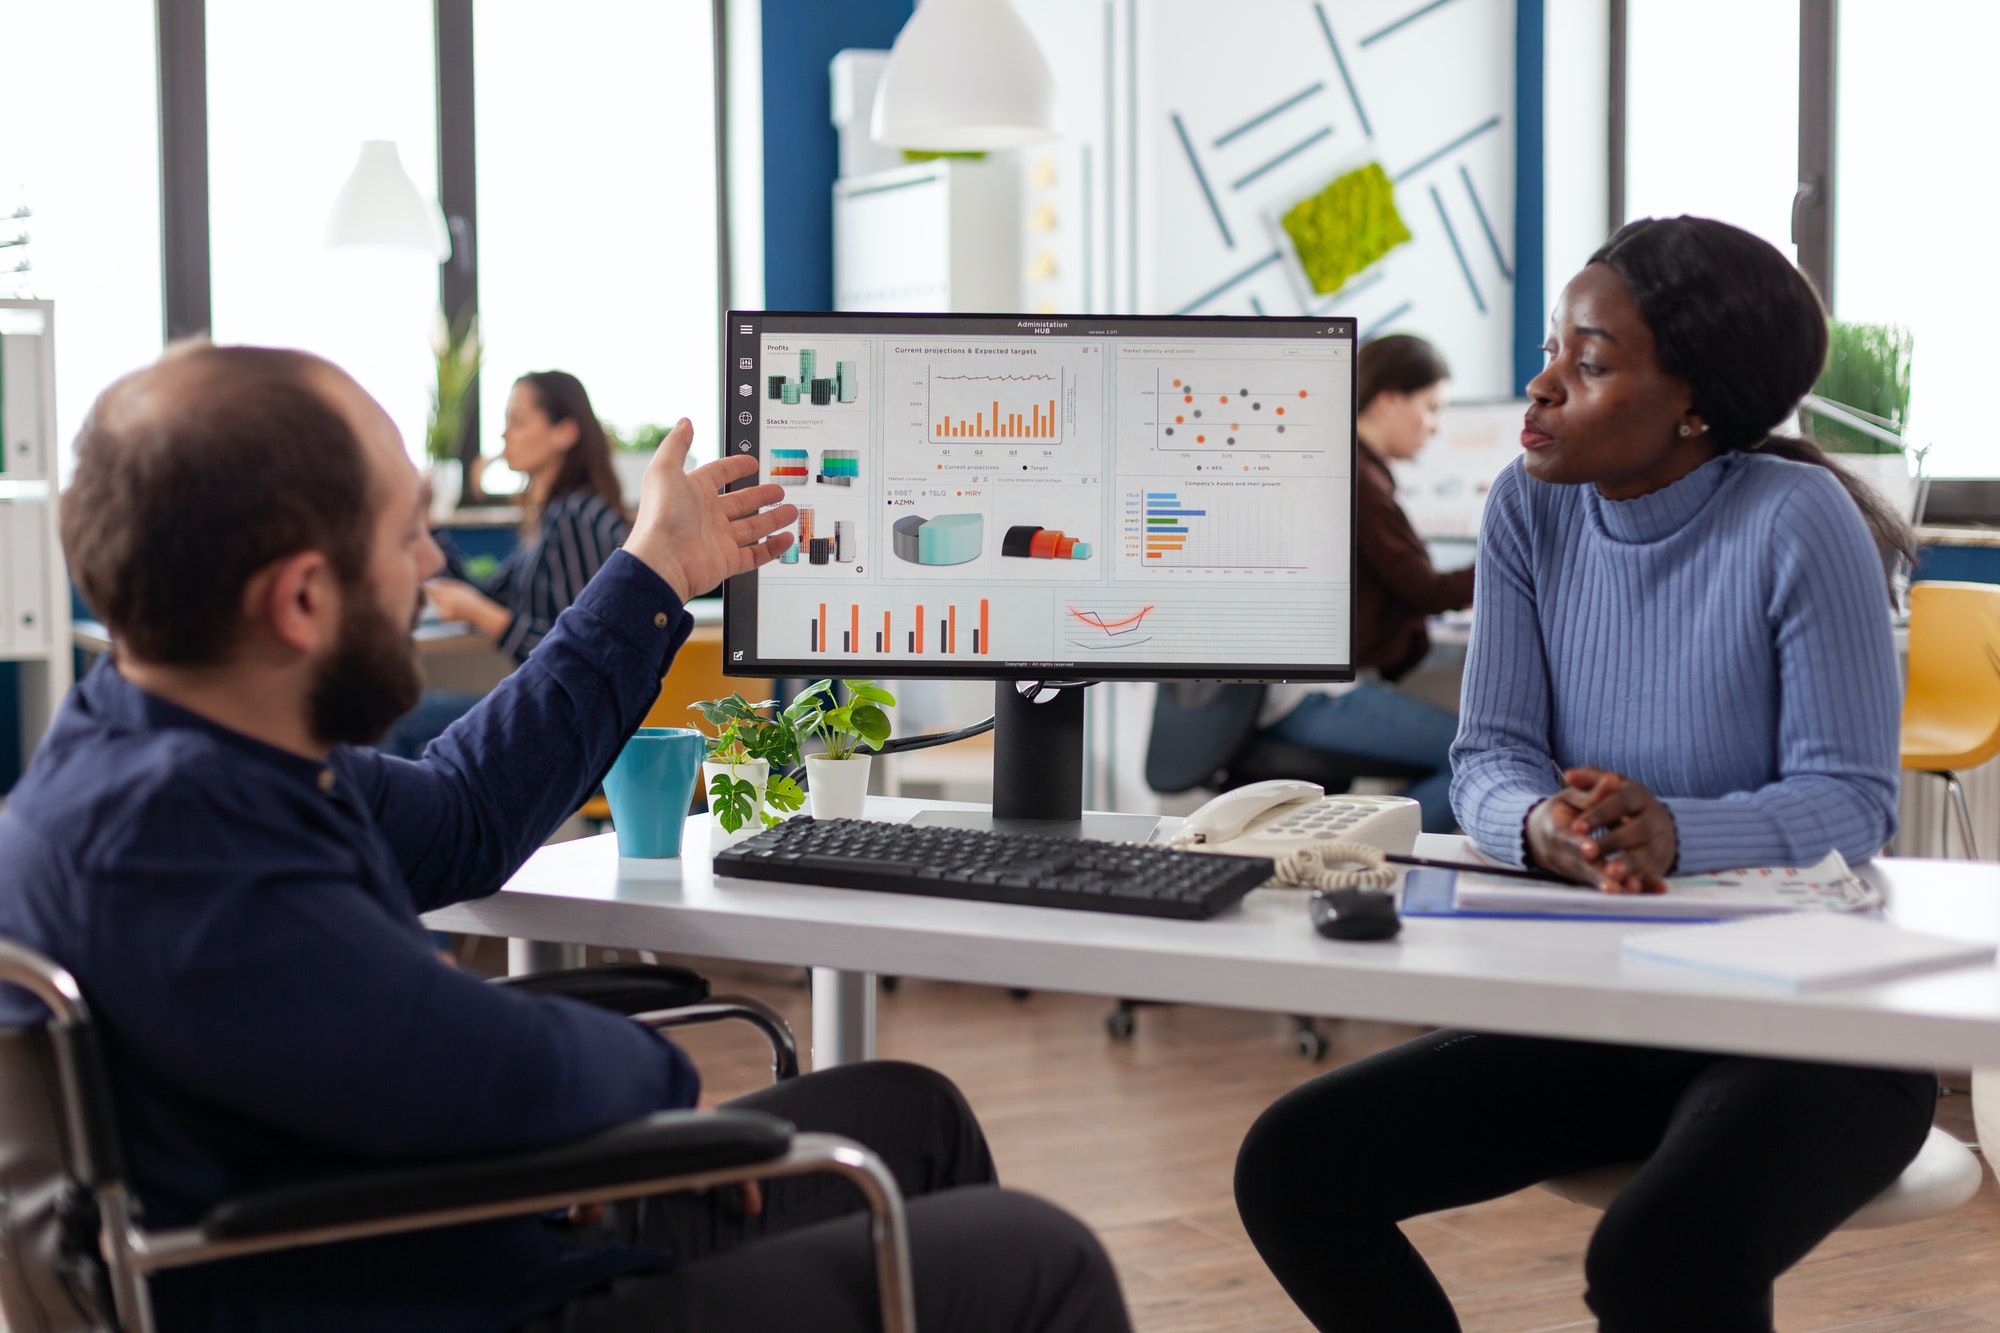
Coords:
1254,528
996,407
924,629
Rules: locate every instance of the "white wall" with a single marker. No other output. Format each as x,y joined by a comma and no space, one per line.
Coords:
743,165
1576,113
81,151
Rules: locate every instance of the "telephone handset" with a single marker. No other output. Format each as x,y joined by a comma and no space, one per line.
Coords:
1307,832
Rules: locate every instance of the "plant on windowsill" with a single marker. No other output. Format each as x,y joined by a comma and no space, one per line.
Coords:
632,448
455,349
837,778
1860,406
638,440
1868,372
746,745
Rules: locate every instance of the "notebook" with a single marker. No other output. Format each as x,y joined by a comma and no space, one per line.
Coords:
1828,885
1806,950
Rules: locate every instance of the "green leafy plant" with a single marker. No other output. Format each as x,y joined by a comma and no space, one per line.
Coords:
643,439
1345,227
456,348
1867,370
841,728
744,733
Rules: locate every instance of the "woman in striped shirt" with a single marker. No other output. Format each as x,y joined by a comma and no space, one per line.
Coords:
575,517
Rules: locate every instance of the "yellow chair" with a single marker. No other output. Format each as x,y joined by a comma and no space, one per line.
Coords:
1951,714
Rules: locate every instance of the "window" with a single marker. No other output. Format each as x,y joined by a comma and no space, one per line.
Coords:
1712,112
1912,195
597,209
293,90
93,190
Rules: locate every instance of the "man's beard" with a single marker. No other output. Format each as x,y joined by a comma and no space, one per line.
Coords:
370,680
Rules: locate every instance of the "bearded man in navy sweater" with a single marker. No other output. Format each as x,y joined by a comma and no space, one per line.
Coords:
205,842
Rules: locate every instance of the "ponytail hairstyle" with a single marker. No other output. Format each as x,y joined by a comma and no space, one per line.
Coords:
1746,330
587,463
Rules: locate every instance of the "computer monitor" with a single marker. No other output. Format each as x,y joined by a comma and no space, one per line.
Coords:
1057,498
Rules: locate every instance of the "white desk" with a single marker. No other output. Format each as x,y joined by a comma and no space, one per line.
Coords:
1561,978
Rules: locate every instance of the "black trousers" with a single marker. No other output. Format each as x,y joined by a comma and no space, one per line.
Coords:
981,1258
1749,1163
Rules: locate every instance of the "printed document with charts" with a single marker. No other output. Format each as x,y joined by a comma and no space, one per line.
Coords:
1829,885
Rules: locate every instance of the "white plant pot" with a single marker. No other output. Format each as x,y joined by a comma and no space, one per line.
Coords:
447,484
1887,474
630,469
757,772
838,787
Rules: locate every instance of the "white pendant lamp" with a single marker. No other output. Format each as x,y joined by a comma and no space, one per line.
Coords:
379,206
964,76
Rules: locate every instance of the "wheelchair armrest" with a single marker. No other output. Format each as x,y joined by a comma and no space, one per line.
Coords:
666,1143
665,997
784,1048
632,988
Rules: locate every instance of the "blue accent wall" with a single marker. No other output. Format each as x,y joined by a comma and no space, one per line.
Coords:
1959,564
801,154
1529,297
10,725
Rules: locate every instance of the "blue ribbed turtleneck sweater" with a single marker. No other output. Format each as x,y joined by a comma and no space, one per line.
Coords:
1723,640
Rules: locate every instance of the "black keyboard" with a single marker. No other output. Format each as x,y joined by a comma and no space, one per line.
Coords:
1024,868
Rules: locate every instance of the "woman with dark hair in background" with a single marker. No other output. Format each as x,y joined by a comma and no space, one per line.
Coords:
574,519
1681,661
1399,389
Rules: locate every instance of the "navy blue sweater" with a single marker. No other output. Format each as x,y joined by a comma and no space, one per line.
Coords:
244,922
1724,640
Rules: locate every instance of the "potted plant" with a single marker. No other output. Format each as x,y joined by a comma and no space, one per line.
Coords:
837,778
631,450
1867,377
743,794
455,347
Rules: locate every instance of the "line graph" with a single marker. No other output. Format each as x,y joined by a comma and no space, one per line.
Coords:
1100,631
996,379
1220,627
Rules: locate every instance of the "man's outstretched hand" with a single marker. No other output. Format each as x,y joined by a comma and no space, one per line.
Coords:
691,534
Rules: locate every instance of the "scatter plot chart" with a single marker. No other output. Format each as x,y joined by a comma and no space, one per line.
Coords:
1236,407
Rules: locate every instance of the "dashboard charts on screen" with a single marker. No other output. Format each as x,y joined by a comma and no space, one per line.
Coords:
985,495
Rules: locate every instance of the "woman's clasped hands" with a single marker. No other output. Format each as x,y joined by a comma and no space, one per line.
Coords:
1605,829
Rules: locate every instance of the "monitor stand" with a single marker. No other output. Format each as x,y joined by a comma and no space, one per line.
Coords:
1038,774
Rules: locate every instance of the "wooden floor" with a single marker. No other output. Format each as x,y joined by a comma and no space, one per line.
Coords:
1138,1140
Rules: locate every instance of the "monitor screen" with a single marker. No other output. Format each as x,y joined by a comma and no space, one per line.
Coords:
1048,497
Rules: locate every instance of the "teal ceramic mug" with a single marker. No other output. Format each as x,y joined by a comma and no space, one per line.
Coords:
650,787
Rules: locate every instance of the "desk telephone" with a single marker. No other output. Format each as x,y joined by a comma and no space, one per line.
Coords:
1306,832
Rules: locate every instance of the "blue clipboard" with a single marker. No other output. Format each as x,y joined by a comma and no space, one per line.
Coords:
1435,893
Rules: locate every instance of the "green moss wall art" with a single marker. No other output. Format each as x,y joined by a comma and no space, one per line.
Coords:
1345,227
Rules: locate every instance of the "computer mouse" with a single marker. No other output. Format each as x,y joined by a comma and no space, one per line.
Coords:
1354,914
